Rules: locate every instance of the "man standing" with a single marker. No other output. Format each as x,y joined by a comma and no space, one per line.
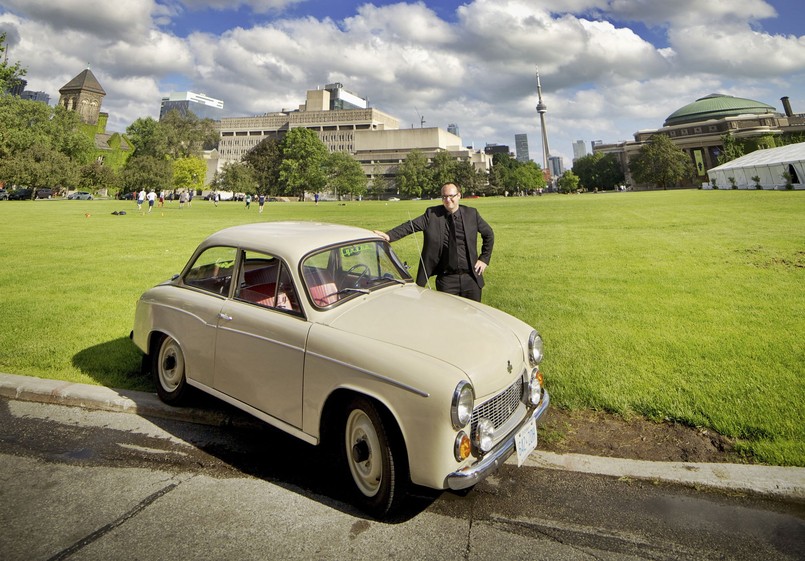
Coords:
450,247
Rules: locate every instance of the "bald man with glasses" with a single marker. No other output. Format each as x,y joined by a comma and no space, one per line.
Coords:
450,248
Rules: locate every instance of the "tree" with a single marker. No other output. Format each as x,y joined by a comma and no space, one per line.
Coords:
187,135
379,183
40,166
568,182
238,177
148,138
471,180
443,170
733,148
661,163
599,171
413,175
265,160
147,172
25,124
303,159
189,173
9,75
529,176
96,176
345,175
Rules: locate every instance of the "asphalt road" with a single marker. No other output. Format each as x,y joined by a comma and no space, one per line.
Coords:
88,484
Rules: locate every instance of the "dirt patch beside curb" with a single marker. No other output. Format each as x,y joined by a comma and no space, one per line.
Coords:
601,434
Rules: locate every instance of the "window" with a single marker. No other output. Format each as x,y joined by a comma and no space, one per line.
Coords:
212,270
265,281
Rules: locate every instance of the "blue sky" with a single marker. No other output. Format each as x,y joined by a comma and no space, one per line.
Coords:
608,67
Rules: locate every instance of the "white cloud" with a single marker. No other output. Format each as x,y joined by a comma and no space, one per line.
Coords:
600,78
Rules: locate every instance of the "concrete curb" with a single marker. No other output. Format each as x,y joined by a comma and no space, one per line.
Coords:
773,481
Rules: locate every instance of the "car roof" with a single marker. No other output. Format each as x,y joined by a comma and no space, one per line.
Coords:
290,239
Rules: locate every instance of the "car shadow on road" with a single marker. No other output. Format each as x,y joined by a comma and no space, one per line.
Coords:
241,444
244,445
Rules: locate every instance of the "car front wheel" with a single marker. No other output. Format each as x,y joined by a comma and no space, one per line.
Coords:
375,459
168,369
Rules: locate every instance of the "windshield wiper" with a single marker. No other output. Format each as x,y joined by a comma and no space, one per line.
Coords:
351,289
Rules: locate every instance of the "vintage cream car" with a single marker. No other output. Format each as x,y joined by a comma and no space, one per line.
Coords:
319,330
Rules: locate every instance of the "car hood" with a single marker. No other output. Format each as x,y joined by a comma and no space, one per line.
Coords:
475,338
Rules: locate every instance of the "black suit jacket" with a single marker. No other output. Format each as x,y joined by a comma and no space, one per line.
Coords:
433,223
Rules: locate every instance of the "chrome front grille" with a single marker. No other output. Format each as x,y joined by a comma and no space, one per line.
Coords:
501,407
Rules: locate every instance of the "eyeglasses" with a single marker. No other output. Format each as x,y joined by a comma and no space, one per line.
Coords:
451,197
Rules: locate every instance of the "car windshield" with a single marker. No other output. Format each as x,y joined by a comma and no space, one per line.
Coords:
340,272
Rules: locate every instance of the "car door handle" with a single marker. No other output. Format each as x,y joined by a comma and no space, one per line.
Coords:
225,317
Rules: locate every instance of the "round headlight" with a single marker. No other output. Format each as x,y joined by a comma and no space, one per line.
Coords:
535,348
483,435
463,400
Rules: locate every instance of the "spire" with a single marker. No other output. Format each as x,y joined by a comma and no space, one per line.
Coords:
542,109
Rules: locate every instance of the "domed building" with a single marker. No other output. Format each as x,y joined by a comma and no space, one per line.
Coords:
698,128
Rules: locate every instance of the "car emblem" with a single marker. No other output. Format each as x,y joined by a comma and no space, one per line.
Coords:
509,366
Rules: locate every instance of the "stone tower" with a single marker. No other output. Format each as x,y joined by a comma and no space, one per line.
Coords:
84,95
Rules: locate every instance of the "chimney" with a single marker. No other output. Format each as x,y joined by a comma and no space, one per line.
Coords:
787,106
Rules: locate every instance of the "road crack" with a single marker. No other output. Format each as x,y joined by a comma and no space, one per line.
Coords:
100,532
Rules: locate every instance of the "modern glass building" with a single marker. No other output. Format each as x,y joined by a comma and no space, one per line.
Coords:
521,147
200,105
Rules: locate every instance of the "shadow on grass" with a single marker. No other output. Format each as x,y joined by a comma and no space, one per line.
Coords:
115,364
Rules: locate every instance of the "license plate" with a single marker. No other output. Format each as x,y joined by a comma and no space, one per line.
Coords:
526,441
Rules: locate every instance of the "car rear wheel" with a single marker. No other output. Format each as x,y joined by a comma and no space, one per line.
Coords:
373,454
168,369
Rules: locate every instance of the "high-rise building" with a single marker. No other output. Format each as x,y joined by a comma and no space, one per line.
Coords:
521,147
200,105
556,166
452,128
579,150
492,149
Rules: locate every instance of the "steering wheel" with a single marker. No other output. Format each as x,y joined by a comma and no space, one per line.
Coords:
363,273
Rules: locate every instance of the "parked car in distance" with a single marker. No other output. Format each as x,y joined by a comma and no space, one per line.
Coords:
319,330
3,195
20,195
44,193
80,196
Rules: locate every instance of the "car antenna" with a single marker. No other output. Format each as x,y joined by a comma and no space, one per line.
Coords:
421,258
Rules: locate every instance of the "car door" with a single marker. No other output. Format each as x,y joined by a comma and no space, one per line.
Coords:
195,311
260,346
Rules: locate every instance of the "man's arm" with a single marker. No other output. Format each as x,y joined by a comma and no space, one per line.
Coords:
404,229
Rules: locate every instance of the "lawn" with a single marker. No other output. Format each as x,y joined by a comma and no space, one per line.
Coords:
684,305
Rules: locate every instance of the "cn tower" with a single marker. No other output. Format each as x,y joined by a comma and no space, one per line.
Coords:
542,109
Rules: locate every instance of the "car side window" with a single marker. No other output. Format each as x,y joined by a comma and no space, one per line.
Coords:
212,270
265,281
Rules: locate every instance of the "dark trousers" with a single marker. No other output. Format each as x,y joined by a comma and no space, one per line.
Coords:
460,284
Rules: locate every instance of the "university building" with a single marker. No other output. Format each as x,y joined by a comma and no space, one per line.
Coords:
698,128
344,122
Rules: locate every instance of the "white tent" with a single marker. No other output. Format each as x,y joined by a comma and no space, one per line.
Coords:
769,165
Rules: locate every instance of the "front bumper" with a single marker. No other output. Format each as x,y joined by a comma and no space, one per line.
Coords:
473,474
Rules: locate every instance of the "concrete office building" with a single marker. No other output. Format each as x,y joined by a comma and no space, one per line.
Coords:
200,105
345,123
380,152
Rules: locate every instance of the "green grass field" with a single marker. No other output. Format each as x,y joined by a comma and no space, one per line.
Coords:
683,305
